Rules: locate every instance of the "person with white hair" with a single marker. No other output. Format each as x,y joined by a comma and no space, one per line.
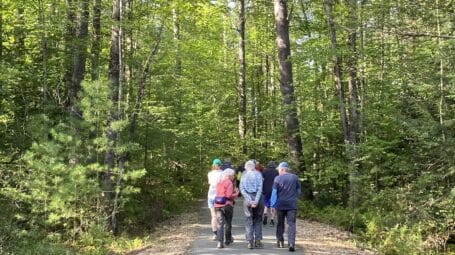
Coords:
253,204
285,193
224,207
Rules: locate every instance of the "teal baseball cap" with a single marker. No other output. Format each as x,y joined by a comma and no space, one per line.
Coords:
217,162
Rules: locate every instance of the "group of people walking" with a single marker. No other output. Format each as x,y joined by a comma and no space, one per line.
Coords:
269,193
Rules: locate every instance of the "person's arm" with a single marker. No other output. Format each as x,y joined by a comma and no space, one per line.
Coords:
259,190
273,198
243,190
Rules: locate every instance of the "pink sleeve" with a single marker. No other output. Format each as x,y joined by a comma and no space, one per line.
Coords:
229,190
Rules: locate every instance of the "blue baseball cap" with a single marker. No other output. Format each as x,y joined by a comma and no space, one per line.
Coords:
283,165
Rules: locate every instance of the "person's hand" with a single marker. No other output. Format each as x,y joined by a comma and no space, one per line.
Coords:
253,205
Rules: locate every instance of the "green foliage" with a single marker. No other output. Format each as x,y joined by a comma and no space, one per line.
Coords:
333,214
399,240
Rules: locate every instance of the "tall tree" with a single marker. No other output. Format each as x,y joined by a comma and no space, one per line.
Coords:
79,56
69,47
1,30
336,59
177,38
96,40
241,87
291,121
353,102
112,132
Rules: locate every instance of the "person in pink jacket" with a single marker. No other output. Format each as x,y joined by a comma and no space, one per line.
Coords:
224,207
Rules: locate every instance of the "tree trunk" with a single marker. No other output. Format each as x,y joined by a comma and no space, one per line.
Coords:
113,115
141,85
441,75
353,103
176,30
79,58
336,68
43,45
1,33
242,74
70,31
96,42
287,91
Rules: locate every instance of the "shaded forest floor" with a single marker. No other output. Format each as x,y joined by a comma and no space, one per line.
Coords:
176,236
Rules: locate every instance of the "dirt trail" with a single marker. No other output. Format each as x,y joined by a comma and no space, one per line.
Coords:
190,234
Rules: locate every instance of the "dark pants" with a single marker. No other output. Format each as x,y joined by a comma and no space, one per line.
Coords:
253,221
290,216
224,219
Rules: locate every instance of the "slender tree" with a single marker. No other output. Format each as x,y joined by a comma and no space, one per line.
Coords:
336,59
1,31
353,104
177,38
112,133
79,57
241,87
96,40
69,48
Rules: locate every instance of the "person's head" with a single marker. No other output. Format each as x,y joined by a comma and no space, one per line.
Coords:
283,167
271,164
229,173
216,163
250,165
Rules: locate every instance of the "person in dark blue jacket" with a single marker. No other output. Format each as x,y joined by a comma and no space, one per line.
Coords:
285,193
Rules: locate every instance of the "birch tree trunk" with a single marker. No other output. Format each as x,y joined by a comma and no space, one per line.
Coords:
291,121
176,30
242,69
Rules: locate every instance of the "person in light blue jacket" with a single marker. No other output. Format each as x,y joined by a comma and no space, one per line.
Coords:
286,190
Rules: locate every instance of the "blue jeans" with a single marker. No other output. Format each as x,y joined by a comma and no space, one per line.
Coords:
253,221
290,216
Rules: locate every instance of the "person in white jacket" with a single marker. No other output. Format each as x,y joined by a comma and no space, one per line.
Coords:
214,176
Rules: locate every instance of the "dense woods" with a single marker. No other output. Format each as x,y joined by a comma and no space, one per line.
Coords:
111,112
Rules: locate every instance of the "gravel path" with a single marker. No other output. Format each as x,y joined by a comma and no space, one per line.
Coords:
190,234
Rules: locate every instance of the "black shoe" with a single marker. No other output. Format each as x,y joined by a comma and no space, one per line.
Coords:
258,244
264,220
250,245
291,248
280,244
272,223
229,241
220,245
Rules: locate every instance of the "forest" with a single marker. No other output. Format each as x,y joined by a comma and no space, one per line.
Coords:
111,112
